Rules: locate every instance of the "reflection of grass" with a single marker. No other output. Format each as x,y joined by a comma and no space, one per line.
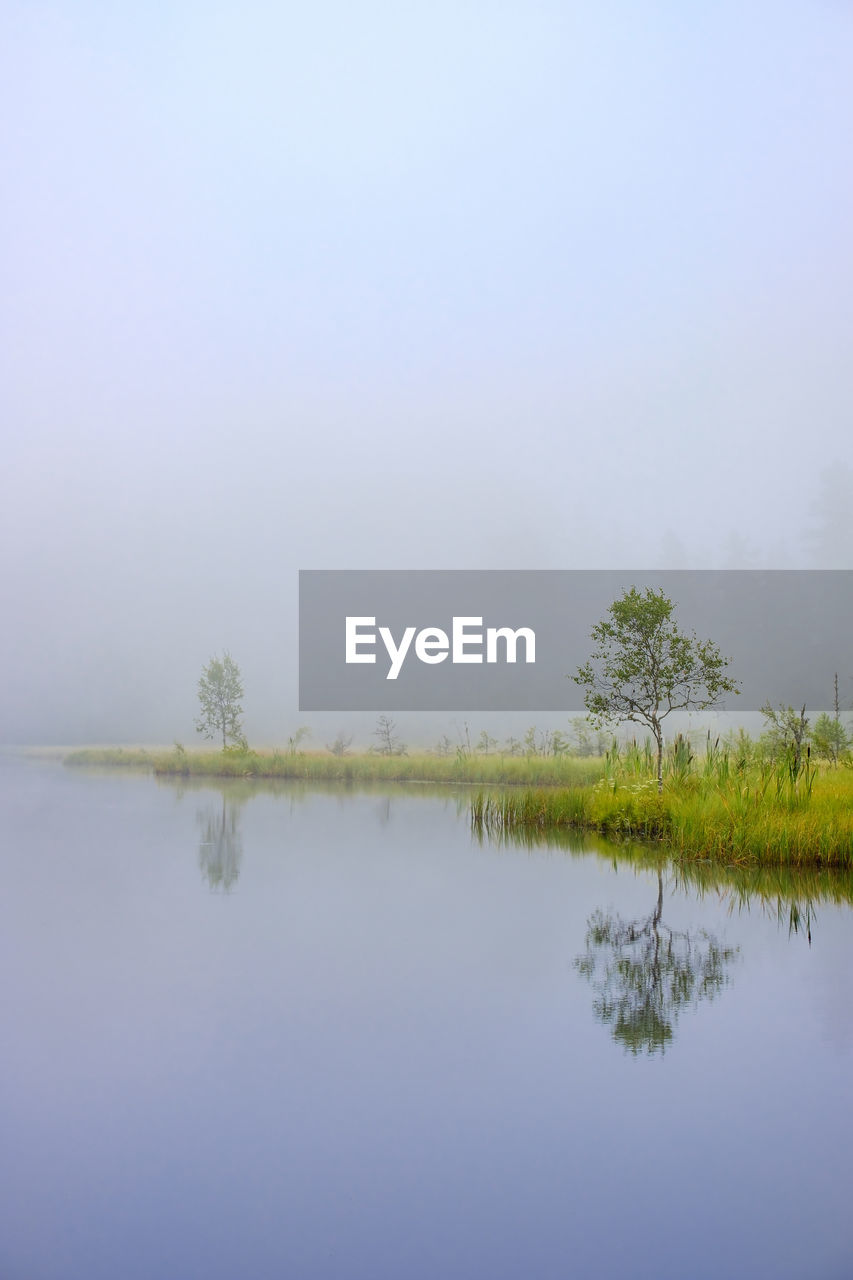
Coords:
792,894
465,767
745,818
237,791
761,814
787,892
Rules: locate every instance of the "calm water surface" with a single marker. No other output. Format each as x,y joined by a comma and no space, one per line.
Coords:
304,1033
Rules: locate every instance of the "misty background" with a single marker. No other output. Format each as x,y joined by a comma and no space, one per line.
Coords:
451,286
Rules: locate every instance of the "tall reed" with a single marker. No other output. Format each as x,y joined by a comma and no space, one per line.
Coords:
764,814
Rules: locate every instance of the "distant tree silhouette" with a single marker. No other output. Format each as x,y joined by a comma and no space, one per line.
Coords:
830,534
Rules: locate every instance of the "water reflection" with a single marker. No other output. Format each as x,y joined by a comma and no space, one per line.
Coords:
220,850
789,894
645,973
413,993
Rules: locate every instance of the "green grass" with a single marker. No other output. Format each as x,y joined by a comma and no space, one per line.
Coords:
712,807
756,816
462,768
112,757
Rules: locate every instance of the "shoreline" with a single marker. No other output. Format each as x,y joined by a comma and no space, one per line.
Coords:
759,816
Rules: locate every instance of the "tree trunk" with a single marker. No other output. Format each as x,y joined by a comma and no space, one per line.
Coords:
659,740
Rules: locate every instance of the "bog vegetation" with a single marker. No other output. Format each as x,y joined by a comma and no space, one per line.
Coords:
740,801
341,765
785,797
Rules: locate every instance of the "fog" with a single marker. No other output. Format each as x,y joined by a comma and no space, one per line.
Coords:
375,286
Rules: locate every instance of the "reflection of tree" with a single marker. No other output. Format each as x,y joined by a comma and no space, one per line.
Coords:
221,849
644,974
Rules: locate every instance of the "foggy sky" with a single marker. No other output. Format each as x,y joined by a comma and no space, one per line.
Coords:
386,286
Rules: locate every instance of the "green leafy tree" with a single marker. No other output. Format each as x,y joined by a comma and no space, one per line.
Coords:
297,737
830,739
220,689
486,744
590,739
787,733
644,667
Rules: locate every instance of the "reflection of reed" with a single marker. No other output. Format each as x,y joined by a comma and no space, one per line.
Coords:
644,974
221,848
788,894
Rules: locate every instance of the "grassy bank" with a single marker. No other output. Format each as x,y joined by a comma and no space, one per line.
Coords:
713,808
461,768
762,815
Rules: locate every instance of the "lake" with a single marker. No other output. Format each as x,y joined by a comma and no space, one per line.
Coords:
312,1032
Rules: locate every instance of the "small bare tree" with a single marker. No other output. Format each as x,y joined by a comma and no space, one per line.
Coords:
389,744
